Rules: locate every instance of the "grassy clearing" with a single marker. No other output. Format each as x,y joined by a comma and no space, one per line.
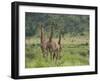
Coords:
75,52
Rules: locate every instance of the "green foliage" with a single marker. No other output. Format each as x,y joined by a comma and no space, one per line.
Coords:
75,39
72,24
75,52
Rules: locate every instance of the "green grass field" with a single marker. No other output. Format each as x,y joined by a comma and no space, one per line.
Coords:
75,52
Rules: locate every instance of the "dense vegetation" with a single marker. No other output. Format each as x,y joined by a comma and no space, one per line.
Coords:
69,24
75,39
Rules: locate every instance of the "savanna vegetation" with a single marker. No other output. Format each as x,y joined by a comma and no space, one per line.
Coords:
74,39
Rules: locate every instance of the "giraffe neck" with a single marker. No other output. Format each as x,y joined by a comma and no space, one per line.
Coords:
42,35
51,35
59,41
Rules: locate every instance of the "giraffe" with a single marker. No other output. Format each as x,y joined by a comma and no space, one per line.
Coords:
54,48
43,41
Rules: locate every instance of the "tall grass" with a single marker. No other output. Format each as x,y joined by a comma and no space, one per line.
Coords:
75,52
